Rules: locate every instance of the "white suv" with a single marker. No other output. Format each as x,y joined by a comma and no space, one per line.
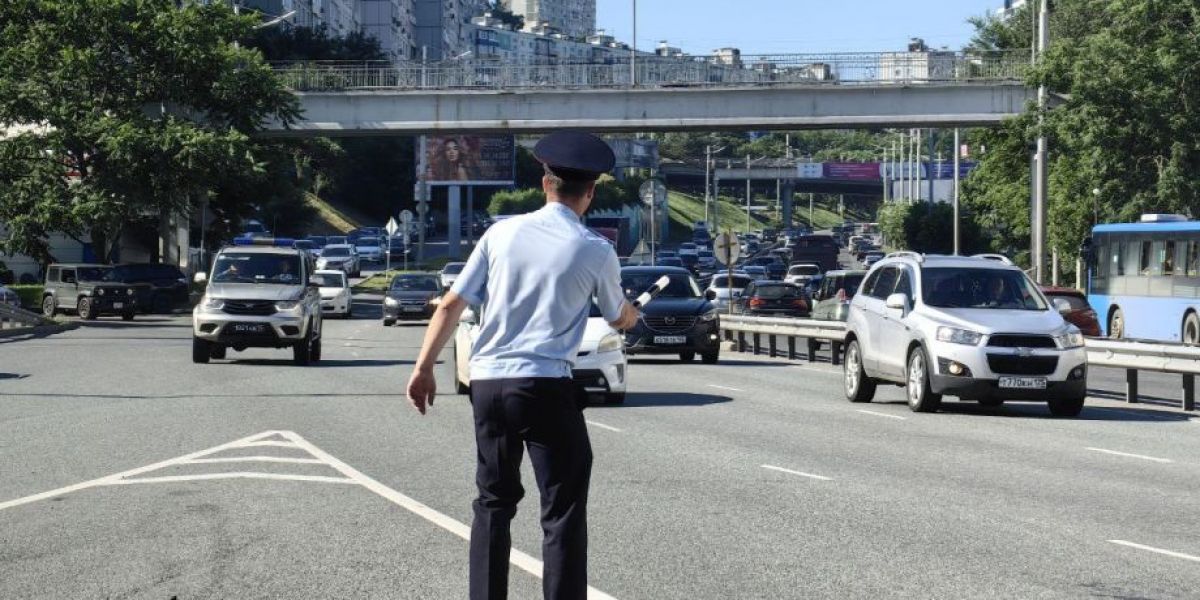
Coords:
976,328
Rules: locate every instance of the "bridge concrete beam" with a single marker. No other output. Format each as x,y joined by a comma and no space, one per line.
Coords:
656,109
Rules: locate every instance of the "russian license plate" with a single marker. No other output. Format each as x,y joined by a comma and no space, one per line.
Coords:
1023,383
413,309
250,327
670,340
118,305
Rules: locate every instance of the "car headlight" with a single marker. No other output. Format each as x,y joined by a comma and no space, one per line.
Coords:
390,301
611,343
709,316
129,292
955,335
1070,339
287,305
213,303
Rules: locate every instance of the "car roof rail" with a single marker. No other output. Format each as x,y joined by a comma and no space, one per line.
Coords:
917,256
996,257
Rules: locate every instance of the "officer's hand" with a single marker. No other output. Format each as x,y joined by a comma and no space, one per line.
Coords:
422,387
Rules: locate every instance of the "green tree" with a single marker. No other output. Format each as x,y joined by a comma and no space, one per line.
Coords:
129,109
315,43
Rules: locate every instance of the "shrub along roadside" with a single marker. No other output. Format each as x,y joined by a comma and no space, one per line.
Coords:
31,296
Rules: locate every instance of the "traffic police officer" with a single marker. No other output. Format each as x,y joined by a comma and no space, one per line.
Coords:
534,277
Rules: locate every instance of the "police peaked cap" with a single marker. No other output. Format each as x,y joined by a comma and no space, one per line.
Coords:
575,155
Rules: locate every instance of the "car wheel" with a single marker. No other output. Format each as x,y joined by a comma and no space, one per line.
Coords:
86,309
49,307
200,350
687,356
710,358
302,350
920,397
1066,407
1116,325
389,322
1191,330
859,387
614,398
217,351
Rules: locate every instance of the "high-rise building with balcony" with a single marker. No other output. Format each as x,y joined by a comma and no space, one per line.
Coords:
393,23
575,18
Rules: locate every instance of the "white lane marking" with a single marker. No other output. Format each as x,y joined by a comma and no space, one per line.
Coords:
238,459
110,479
603,426
1156,550
1128,455
236,475
879,414
800,473
520,559
721,387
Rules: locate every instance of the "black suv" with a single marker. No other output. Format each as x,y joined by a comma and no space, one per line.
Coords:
84,290
681,319
160,288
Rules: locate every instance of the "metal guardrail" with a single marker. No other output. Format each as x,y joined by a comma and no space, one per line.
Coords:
880,68
13,318
812,330
1135,356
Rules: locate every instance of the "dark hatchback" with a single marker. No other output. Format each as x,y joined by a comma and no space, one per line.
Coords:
411,296
160,288
774,299
681,320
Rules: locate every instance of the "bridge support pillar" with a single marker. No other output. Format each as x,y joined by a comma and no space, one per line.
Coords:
454,220
788,190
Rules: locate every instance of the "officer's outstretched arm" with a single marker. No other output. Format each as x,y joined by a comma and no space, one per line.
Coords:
422,386
629,317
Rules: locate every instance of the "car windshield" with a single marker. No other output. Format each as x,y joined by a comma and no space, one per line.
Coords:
414,283
329,279
453,268
775,292
336,251
957,287
337,239
850,284
92,273
680,286
236,267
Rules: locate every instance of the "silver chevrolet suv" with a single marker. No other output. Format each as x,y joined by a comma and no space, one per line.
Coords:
259,296
972,327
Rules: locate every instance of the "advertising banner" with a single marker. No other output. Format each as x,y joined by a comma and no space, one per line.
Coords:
853,171
469,160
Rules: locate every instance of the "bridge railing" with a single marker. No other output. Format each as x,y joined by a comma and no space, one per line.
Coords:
885,68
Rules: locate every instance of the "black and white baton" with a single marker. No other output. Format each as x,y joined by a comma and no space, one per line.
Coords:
654,290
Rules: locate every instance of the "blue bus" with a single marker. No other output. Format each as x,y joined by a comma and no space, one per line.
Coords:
1144,278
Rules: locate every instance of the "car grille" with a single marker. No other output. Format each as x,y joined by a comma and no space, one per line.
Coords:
258,308
1012,364
669,324
1008,340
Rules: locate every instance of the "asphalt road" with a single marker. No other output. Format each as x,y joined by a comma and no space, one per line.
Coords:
128,472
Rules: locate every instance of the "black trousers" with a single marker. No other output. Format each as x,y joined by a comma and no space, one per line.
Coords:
545,416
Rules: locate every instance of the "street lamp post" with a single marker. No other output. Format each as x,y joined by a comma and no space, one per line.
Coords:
633,50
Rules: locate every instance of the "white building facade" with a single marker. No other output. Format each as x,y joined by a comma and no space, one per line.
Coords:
575,18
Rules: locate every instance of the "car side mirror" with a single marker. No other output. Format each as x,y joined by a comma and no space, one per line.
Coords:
1062,306
710,294
897,301
200,277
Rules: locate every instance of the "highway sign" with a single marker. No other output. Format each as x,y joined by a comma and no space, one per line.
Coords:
392,227
406,216
726,249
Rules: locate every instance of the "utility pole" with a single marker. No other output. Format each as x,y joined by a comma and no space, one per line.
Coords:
633,50
957,154
903,177
917,154
747,192
1040,171
707,176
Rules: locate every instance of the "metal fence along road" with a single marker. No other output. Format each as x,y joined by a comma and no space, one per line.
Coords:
877,68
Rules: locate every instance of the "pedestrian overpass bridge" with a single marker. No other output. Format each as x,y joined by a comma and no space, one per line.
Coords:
897,90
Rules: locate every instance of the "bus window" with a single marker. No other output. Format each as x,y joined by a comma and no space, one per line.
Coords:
1117,266
1168,262
1145,259
1193,259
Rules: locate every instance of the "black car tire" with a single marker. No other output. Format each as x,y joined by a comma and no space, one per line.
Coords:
710,358
1116,325
614,398
920,395
314,354
128,315
1191,330
217,351
389,322
687,356
302,350
859,387
86,309
49,306
1066,407
201,351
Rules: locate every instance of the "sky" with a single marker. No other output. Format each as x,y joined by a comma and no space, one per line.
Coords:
793,26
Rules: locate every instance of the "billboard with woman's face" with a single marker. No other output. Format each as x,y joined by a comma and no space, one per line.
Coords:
469,160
